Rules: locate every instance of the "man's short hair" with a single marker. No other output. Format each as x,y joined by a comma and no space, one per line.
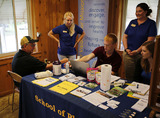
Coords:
27,39
111,37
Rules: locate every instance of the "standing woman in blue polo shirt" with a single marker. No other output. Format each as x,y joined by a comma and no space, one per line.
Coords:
138,31
67,37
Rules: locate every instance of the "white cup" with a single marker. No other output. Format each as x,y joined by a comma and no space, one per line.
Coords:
78,57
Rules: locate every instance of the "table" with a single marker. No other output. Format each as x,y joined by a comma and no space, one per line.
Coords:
39,102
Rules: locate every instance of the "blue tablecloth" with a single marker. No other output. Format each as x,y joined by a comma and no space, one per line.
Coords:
39,102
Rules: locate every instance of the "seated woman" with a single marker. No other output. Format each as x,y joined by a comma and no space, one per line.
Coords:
147,60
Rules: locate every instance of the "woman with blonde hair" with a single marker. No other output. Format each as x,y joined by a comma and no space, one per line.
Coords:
67,37
147,60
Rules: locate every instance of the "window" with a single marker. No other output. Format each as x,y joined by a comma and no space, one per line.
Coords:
158,18
130,13
13,24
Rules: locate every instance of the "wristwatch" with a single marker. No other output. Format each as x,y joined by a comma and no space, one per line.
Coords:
125,49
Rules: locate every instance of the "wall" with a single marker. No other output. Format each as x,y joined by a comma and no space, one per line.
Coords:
47,14
6,83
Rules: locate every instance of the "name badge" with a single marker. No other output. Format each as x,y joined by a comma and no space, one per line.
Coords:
64,31
133,25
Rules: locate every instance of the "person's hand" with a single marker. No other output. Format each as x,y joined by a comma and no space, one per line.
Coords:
128,51
99,68
64,60
59,44
133,53
68,63
75,45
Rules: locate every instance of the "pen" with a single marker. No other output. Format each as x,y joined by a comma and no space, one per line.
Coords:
137,86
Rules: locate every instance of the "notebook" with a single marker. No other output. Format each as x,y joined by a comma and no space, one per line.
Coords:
79,68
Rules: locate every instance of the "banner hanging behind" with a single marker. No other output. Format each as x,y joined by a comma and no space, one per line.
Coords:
93,18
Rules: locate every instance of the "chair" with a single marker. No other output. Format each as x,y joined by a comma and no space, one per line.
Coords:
16,78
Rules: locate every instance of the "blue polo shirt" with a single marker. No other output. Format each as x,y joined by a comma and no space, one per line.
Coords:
67,42
138,34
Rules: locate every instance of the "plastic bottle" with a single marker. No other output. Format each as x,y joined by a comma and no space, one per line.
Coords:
67,67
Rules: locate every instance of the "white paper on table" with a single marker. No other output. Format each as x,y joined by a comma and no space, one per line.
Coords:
113,106
114,78
146,96
80,92
113,102
76,79
45,82
141,89
67,76
103,106
95,98
81,83
140,105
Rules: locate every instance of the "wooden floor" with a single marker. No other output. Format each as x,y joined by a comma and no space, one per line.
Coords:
6,106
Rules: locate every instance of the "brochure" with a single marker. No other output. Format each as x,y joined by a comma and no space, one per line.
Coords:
80,92
140,105
130,94
146,96
45,81
76,79
91,85
138,88
67,76
64,87
81,83
116,91
96,98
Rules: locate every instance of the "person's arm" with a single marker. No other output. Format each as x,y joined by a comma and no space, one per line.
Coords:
87,57
113,73
149,39
84,58
125,36
80,38
49,66
64,60
51,35
99,68
134,52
